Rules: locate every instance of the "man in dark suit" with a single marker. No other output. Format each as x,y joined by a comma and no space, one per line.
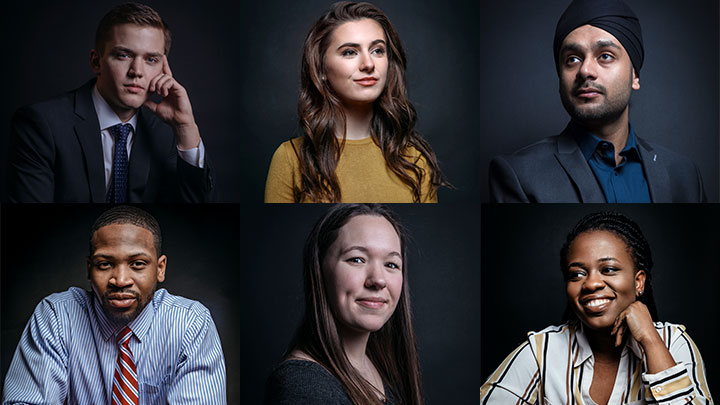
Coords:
598,53
108,141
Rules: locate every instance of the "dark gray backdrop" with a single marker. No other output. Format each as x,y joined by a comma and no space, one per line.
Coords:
444,282
442,43
523,290
47,49
676,106
44,249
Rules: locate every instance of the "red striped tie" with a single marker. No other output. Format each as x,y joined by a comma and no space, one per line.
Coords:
125,386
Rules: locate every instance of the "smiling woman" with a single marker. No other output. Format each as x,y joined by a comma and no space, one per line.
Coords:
611,349
356,344
359,142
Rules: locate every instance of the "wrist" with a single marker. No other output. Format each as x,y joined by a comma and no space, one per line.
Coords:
187,136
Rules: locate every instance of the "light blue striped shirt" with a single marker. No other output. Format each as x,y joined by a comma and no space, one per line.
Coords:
67,353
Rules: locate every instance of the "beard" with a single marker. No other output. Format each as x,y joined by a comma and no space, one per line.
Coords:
610,108
127,316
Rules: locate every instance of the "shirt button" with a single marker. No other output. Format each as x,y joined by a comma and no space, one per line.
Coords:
658,389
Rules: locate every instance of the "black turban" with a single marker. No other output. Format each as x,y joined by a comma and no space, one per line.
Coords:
613,16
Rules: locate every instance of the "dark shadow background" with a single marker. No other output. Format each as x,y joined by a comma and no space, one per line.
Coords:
676,106
47,51
44,249
444,283
442,43
523,290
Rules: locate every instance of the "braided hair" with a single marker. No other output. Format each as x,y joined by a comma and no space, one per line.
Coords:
629,232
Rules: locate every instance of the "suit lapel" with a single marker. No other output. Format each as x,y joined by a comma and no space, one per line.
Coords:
139,165
572,160
87,130
656,174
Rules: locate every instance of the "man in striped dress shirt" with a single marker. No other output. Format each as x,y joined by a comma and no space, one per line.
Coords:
124,342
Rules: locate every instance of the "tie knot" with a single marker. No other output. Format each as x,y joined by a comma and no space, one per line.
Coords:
120,131
124,335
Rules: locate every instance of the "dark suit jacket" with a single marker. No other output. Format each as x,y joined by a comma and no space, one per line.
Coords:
56,156
555,170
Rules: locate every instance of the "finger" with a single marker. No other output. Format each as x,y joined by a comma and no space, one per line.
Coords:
160,83
166,86
151,105
618,335
166,66
153,82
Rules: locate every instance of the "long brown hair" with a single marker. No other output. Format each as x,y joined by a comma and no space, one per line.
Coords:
392,349
321,114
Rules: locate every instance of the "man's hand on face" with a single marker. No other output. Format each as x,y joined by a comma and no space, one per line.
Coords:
174,108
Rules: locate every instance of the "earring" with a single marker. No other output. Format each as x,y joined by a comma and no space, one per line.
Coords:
639,293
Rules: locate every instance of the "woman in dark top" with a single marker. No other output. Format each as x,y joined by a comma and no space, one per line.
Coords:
356,343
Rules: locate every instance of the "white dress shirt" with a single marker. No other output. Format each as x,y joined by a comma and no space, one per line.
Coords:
107,118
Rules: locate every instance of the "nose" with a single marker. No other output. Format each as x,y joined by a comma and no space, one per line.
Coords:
375,276
366,63
594,281
121,277
588,69
136,68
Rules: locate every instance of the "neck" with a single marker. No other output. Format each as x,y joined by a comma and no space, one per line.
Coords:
124,114
602,344
355,344
615,131
357,121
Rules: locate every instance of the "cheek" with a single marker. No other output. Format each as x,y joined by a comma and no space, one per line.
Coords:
394,285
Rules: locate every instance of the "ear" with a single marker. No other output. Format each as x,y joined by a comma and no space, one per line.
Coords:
640,277
162,263
95,61
635,80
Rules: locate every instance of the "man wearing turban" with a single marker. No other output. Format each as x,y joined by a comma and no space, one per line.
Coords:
598,52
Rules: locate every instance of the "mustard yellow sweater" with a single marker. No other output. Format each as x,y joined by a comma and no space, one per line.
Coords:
361,170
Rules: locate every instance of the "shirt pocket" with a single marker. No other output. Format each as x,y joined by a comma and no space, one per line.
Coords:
154,392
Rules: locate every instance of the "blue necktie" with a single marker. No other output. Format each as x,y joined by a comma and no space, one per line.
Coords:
118,188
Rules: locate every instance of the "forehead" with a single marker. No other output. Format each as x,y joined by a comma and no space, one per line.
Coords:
123,237
599,244
138,38
586,36
359,32
373,232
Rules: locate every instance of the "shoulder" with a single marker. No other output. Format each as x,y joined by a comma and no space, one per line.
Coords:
180,309
288,150
671,332
303,382
542,149
57,106
73,299
551,337
671,159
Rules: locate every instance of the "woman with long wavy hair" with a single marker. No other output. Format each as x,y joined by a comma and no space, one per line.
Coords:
356,343
359,140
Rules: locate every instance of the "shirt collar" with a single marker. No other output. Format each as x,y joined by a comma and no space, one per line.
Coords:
588,142
106,116
585,352
140,326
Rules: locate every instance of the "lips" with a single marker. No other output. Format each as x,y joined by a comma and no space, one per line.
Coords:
121,300
587,92
367,81
372,302
134,88
596,305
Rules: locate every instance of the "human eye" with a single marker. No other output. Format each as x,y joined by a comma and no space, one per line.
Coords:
121,55
153,60
103,265
348,52
575,274
379,51
606,57
610,270
138,264
356,260
572,59
393,265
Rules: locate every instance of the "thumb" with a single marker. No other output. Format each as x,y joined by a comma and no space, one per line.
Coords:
151,105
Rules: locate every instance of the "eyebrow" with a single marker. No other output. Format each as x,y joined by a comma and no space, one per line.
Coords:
356,45
604,259
133,255
603,43
366,251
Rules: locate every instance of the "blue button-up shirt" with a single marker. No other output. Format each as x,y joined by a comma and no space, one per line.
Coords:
67,353
622,183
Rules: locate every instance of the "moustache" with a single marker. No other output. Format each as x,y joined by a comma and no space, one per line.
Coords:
109,294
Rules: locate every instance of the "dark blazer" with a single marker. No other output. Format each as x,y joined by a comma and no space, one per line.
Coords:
555,170
56,156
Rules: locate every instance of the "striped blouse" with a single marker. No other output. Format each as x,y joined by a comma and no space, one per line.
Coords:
67,353
555,366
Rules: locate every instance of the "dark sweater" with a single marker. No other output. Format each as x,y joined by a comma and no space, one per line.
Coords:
302,382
